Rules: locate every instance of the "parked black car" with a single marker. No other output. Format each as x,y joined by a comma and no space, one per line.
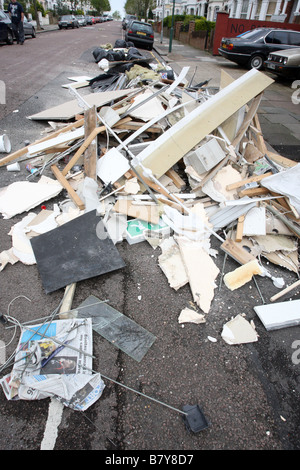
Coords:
68,21
285,63
6,31
252,49
141,34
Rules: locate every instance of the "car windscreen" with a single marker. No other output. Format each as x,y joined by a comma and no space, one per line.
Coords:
67,17
253,35
143,27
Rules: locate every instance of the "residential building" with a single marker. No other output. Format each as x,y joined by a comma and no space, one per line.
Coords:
263,10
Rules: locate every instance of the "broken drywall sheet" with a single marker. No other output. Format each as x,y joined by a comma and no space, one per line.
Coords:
286,183
20,242
171,264
22,196
279,315
223,178
138,211
255,222
188,315
68,110
7,256
238,331
202,282
146,111
111,166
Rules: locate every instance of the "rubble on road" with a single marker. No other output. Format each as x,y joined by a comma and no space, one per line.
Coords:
146,157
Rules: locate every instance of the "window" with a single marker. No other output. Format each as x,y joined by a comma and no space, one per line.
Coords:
277,37
294,39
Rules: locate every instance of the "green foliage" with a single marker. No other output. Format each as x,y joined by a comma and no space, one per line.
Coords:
204,25
39,7
201,23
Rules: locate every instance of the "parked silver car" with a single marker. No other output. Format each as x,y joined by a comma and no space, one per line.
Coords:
285,63
68,21
81,20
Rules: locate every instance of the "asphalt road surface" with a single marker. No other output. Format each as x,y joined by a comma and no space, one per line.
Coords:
248,393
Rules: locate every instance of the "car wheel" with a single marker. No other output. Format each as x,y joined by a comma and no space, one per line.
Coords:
256,62
60,27
33,34
10,37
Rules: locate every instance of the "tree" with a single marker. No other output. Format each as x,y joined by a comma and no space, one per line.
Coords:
140,8
101,5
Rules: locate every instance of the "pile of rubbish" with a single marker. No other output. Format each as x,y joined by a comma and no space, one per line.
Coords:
147,157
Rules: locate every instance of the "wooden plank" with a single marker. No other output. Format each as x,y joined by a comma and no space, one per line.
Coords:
240,228
90,154
283,161
253,192
24,150
285,291
177,180
73,195
236,251
133,126
260,143
252,179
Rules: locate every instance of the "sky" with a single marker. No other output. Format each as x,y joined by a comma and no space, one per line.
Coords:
117,5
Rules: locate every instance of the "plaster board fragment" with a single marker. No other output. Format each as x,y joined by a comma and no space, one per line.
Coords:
255,221
172,265
146,213
190,316
7,256
111,166
201,270
238,331
22,196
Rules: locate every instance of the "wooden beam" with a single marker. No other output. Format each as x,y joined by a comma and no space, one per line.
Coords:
24,150
63,181
177,180
252,179
240,229
253,192
90,154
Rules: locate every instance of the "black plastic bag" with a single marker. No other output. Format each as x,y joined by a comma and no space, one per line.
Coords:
99,54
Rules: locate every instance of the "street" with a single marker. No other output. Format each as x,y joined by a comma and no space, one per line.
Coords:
249,393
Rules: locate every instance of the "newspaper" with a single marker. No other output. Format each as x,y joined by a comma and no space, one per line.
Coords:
55,360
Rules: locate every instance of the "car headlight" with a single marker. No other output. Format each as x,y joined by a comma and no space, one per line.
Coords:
280,59
269,57
285,61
